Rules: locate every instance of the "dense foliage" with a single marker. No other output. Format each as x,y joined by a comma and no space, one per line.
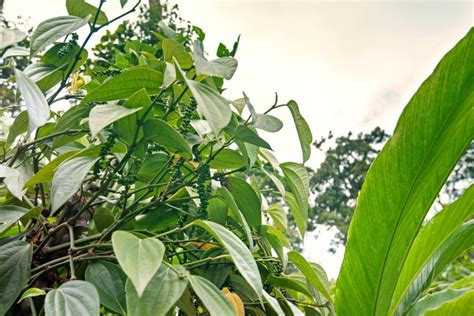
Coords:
147,167
129,187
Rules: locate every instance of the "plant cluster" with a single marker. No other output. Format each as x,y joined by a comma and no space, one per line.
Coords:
139,198
136,199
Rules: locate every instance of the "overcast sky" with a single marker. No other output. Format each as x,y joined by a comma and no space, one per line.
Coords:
351,65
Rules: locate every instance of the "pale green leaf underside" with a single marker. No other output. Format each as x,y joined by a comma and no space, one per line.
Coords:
241,255
161,294
103,115
9,215
213,299
71,299
139,258
68,179
53,29
37,107
222,67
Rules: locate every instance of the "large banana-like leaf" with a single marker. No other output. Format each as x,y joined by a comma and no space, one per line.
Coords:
432,133
443,239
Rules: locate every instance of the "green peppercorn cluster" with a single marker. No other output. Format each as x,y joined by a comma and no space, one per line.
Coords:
204,190
277,268
107,73
188,112
104,151
66,49
176,170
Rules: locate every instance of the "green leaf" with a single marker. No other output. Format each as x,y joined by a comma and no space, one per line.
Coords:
289,284
275,242
217,211
435,303
9,215
82,9
9,37
279,185
36,105
172,48
169,76
445,237
432,133
32,292
247,200
20,126
126,84
300,262
52,69
103,115
68,179
164,134
46,173
109,280
15,266
278,215
139,258
273,303
302,127
241,256
265,122
227,159
212,298
70,120
123,2
71,299
298,181
14,180
229,199
161,294
222,67
211,104
299,215
53,29
127,126
245,134
15,51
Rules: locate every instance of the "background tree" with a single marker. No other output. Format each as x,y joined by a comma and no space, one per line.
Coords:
338,180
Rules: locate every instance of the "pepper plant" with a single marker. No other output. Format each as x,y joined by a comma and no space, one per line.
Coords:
127,188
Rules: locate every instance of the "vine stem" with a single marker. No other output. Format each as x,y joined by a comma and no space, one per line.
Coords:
70,252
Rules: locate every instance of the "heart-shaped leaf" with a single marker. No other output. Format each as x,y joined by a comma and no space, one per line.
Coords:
163,291
71,299
139,258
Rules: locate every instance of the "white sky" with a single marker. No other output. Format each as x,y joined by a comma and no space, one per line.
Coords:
351,65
